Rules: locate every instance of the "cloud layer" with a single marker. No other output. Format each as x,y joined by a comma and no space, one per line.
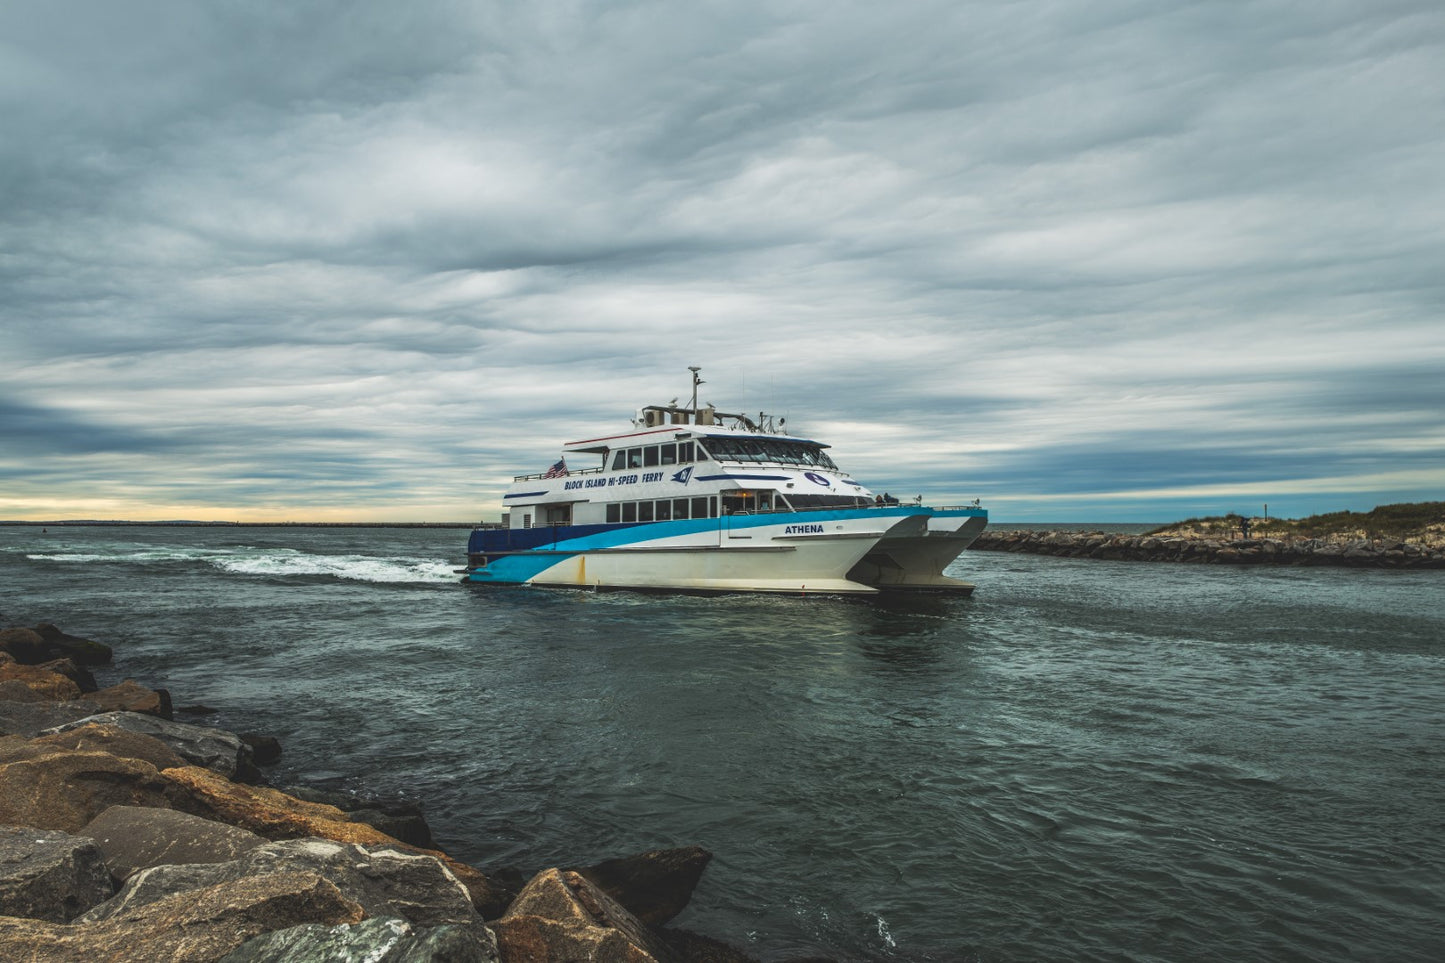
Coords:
339,260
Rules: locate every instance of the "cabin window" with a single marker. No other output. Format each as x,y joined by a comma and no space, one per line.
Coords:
684,452
619,459
649,456
679,508
664,511
737,504
614,513
634,458
644,511
629,512
526,521
667,454
700,508
805,502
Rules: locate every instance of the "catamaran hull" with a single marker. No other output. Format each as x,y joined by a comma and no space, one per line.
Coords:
788,553
915,562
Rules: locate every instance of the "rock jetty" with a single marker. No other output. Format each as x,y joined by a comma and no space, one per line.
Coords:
130,837
1357,552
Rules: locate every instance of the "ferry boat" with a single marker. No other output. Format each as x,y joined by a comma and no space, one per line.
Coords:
694,499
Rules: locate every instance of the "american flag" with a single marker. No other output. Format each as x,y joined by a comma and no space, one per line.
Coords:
557,470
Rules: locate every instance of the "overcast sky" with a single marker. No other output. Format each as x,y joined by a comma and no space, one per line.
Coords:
1105,260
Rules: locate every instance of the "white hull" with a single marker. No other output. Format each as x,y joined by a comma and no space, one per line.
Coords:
794,554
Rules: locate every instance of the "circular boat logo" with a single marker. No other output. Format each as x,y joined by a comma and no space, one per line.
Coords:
817,479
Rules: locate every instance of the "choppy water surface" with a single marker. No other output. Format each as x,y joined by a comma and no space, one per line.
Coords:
1087,760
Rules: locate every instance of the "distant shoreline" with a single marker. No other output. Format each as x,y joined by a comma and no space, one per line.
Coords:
183,524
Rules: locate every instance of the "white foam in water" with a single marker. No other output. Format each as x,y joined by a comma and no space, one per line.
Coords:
361,568
884,933
286,561
132,555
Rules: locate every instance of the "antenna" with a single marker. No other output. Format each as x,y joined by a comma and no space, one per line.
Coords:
695,382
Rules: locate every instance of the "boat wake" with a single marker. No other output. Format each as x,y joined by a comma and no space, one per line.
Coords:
271,562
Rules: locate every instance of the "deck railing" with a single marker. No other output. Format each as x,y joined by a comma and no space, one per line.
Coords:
570,473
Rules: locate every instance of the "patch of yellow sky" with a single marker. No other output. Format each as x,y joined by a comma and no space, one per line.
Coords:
131,510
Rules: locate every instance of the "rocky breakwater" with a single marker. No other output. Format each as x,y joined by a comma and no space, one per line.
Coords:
1358,552
131,837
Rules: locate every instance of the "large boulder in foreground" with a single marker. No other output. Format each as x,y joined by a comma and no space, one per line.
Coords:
64,789
191,927
382,939
276,815
133,838
50,876
654,886
382,881
207,746
559,915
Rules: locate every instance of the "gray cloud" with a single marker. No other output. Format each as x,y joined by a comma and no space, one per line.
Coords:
376,259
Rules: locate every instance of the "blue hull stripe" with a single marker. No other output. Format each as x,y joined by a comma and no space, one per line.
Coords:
574,538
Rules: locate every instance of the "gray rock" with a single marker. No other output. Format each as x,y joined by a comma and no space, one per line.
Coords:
561,915
51,876
654,886
399,818
83,651
191,927
22,717
376,940
133,838
214,749
383,881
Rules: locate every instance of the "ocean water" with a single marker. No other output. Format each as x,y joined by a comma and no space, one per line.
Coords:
1086,760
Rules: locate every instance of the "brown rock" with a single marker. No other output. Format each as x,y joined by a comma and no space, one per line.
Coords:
114,740
275,815
190,927
51,685
13,690
653,886
80,675
25,645
131,696
559,915
61,789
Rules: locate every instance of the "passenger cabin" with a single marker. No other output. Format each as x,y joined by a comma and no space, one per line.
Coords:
634,480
